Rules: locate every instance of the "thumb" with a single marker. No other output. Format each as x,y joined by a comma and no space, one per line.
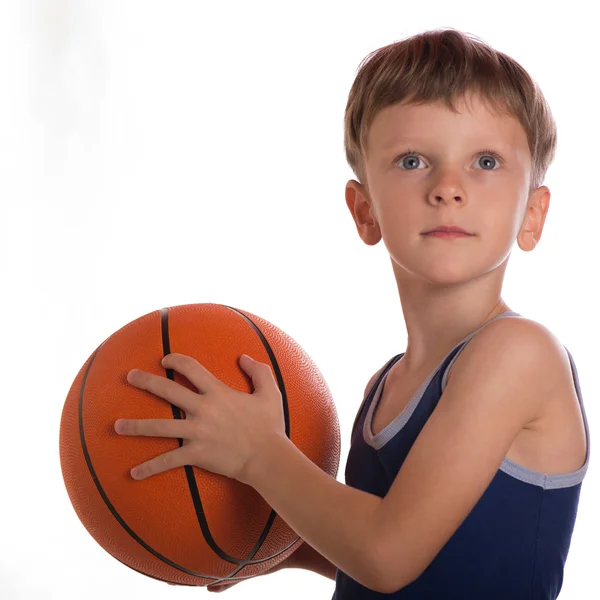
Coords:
251,367
262,376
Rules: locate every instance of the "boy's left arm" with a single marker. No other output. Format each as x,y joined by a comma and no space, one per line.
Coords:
497,384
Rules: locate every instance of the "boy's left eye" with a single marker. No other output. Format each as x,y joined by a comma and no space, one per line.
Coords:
492,155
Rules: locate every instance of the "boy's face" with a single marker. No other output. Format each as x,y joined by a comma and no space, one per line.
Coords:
447,181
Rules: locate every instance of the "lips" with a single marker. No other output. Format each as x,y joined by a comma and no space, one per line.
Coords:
448,229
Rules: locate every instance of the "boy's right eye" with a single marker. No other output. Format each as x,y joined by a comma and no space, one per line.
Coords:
414,156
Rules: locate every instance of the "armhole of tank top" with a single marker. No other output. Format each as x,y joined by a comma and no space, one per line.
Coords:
369,393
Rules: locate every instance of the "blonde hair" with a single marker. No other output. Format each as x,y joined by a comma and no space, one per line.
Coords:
446,64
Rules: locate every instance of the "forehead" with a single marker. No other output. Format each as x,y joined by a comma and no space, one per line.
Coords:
474,123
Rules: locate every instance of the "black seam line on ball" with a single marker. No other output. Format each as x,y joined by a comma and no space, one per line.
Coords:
112,509
192,485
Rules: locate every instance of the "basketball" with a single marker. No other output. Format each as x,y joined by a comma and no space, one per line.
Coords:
186,526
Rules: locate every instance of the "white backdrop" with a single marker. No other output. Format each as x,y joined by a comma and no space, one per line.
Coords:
154,154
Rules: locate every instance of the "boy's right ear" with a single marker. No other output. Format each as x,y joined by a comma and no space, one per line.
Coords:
360,207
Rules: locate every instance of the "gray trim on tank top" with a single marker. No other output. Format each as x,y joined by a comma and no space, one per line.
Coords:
508,466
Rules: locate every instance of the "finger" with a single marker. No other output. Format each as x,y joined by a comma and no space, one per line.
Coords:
164,462
165,388
170,428
197,374
219,588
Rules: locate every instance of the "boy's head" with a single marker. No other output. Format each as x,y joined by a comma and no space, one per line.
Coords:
446,97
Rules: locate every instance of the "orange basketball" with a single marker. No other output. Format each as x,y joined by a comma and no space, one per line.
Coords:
186,526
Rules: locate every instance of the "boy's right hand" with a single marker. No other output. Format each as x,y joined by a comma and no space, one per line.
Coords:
284,564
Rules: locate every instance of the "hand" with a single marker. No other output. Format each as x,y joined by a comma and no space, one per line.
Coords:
224,431
287,563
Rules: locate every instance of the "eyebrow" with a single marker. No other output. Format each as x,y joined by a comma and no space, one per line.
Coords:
502,147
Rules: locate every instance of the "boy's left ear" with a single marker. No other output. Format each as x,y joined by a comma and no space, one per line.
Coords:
537,209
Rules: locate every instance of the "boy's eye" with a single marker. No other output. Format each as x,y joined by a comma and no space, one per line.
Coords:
411,158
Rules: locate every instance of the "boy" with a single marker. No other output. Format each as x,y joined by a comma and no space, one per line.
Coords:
508,496
475,436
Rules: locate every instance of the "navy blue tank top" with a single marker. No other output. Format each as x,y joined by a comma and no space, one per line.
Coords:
512,545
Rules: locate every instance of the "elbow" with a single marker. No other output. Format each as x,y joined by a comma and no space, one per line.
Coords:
386,588
392,582
381,576
390,575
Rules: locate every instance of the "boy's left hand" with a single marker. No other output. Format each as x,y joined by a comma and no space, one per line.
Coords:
224,429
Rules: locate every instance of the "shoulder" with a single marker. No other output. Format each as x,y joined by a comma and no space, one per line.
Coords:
523,336
514,348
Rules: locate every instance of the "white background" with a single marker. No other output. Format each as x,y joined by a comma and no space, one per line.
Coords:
154,154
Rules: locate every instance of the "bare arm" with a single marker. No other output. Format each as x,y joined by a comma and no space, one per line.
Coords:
306,557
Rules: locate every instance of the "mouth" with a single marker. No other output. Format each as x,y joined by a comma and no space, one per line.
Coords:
448,234
447,229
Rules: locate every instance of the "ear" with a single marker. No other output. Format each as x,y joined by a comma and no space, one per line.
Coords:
535,217
362,210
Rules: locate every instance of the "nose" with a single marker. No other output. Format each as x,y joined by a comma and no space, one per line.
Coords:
438,198
447,188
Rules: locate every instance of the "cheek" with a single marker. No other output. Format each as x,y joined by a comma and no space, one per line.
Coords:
399,232
502,226
403,215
